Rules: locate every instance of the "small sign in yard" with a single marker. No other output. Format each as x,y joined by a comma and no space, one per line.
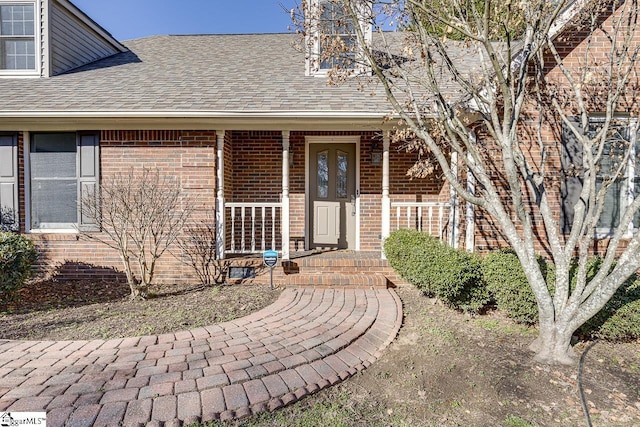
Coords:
270,259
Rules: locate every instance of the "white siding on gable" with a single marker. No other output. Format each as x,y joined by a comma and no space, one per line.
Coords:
73,43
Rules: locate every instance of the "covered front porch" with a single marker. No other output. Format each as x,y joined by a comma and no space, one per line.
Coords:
310,192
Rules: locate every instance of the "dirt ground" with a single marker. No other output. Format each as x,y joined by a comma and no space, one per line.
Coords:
450,369
444,368
82,310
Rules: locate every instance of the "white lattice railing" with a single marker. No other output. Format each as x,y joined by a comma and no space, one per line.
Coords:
430,217
253,227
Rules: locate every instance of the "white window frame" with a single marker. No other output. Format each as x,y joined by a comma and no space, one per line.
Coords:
314,37
627,189
36,37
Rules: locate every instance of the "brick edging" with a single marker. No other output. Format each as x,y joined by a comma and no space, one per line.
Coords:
290,398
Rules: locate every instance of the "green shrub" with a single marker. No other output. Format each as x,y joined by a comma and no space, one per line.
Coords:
405,250
623,325
452,275
17,255
508,284
619,319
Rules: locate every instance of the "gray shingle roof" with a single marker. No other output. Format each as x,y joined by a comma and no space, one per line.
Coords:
186,74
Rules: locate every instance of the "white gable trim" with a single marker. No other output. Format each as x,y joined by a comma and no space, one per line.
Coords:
91,24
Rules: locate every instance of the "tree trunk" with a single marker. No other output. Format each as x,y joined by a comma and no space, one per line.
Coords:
138,290
553,345
138,293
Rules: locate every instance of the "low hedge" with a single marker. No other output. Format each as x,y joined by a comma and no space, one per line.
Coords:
449,274
623,325
17,256
509,286
467,282
619,319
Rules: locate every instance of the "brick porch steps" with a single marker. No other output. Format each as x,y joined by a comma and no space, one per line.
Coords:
333,280
331,269
339,269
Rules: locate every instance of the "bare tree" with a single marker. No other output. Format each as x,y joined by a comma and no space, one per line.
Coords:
140,215
500,98
198,250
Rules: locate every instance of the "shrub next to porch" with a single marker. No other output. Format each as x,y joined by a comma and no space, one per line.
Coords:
451,275
469,283
141,215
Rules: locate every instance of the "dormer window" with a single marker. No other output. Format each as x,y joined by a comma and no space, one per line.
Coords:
332,38
17,37
337,37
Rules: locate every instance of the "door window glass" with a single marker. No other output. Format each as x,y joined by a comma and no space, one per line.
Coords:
342,177
323,175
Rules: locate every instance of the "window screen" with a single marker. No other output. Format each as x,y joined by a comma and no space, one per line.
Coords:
54,186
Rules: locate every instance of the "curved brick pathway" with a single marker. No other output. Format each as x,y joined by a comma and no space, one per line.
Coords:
307,340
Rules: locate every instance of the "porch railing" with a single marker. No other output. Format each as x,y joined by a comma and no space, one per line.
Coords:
252,227
430,217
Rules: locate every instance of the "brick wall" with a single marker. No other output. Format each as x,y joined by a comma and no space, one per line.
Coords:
575,50
253,173
21,190
188,156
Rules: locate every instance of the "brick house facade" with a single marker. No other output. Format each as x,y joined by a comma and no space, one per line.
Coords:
253,172
580,50
242,138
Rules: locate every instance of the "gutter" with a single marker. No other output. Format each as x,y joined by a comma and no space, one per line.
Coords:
193,114
193,120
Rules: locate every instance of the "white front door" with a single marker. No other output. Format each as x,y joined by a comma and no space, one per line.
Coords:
332,195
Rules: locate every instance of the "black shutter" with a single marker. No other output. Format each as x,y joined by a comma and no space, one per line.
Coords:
9,176
88,175
572,172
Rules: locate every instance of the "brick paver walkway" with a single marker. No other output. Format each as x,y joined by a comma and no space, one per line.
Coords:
306,341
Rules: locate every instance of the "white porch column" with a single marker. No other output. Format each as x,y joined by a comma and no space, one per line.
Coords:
453,213
470,216
386,201
220,227
285,214
470,230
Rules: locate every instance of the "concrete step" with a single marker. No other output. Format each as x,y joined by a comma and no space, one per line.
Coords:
337,280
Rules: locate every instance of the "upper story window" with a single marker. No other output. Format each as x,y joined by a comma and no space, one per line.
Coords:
337,37
332,38
17,37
